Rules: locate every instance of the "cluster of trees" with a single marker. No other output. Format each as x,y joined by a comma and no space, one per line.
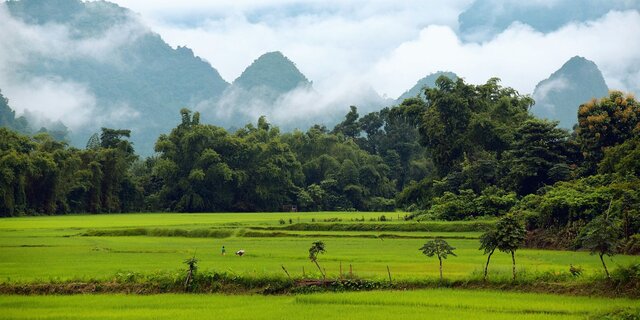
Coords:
202,167
39,175
198,167
492,157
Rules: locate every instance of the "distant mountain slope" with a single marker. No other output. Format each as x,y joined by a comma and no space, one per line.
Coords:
428,81
486,18
139,81
274,71
264,88
20,124
274,87
8,117
576,82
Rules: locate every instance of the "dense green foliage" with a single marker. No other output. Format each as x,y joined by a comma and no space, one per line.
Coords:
600,236
43,176
509,237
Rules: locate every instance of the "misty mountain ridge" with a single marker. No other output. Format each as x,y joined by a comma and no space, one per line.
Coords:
559,96
107,69
273,86
427,82
274,71
123,75
131,78
21,124
257,91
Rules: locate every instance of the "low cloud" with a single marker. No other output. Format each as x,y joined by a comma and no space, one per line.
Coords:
543,90
520,56
50,97
554,85
297,109
326,39
390,44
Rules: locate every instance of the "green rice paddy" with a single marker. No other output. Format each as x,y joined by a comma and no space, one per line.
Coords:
36,249
420,304
53,249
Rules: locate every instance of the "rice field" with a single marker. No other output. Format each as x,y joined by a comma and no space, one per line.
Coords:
420,304
44,249
99,247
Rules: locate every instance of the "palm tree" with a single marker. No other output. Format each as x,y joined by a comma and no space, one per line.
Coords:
317,248
193,266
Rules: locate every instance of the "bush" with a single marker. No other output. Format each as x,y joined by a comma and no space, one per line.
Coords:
631,246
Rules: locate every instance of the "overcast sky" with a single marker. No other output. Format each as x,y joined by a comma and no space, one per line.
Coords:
389,44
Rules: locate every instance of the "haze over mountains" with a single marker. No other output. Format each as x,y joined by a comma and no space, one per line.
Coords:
94,64
558,97
487,18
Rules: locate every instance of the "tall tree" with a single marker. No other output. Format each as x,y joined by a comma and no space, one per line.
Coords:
317,248
488,243
440,248
604,123
538,156
349,126
510,235
601,236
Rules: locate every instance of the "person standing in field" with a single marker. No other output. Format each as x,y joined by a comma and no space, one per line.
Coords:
224,251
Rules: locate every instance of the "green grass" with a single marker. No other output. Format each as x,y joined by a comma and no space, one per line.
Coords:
422,304
44,249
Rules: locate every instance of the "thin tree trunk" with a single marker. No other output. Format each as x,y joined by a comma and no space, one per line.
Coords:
440,268
486,267
513,259
605,266
187,281
317,265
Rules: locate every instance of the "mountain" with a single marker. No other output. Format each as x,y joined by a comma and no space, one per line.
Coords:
428,82
274,72
8,117
265,87
559,96
133,78
487,18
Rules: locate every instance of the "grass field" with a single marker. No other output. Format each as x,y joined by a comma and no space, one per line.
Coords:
421,304
42,249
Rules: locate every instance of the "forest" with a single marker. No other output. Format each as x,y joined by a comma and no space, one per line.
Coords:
462,152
